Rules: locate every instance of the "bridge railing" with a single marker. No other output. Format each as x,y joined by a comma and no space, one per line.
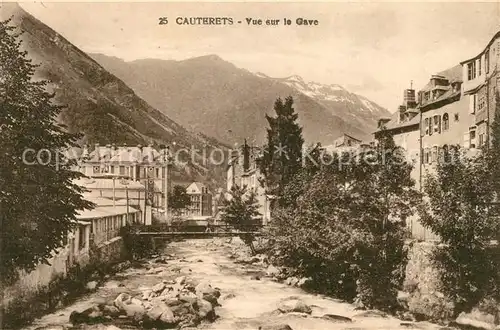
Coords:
199,228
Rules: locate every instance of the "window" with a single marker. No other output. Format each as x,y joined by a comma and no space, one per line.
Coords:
111,169
471,70
481,139
446,122
430,126
426,125
97,170
427,158
479,66
472,103
437,124
81,238
434,154
157,172
442,152
457,117
481,104
472,138
122,170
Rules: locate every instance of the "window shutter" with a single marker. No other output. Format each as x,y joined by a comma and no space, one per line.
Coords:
466,140
472,103
439,124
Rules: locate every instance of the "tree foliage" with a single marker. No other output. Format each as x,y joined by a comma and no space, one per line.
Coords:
282,157
178,199
241,210
38,200
460,209
346,228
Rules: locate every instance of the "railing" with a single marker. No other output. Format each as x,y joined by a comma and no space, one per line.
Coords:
198,230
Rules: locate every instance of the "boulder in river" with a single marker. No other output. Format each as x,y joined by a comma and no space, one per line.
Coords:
304,281
158,287
371,313
294,305
180,280
292,281
92,285
90,315
280,326
272,271
204,309
132,307
336,318
205,291
109,310
188,297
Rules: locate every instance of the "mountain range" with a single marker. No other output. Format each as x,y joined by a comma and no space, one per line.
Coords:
210,95
203,102
100,105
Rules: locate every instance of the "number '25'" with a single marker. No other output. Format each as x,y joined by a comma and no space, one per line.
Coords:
163,21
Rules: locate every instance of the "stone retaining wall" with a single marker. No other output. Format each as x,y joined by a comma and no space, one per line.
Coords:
422,284
42,282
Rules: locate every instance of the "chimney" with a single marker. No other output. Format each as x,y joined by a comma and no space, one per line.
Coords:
114,150
382,122
85,152
97,151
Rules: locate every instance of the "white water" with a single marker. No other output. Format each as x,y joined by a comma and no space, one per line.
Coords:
251,303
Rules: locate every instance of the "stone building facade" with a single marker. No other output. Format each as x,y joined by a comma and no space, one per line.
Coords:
456,107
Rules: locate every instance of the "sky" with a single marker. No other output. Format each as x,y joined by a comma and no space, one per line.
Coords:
373,49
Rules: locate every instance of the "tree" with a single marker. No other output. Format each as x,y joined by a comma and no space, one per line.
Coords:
458,209
282,157
346,228
178,199
38,199
240,211
493,149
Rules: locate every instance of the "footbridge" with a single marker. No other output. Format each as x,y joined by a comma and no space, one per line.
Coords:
198,231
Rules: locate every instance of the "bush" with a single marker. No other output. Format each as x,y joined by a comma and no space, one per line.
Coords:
458,209
345,228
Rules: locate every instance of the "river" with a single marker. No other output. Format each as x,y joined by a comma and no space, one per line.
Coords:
248,300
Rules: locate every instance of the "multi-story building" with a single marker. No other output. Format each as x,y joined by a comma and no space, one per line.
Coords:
345,143
480,77
201,201
404,127
456,107
144,164
243,170
118,191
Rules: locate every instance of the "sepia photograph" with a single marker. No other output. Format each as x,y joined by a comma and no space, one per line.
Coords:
249,165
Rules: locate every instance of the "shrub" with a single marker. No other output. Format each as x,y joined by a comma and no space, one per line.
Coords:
345,228
460,197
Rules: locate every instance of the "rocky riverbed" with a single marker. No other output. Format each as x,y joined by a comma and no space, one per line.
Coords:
211,284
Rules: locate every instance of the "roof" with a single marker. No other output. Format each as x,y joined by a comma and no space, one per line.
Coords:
198,186
124,154
394,123
84,223
453,74
102,201
107,183
104,211
341,140
496,36
449,94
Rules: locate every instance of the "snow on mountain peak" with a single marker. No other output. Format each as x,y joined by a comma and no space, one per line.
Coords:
295,78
